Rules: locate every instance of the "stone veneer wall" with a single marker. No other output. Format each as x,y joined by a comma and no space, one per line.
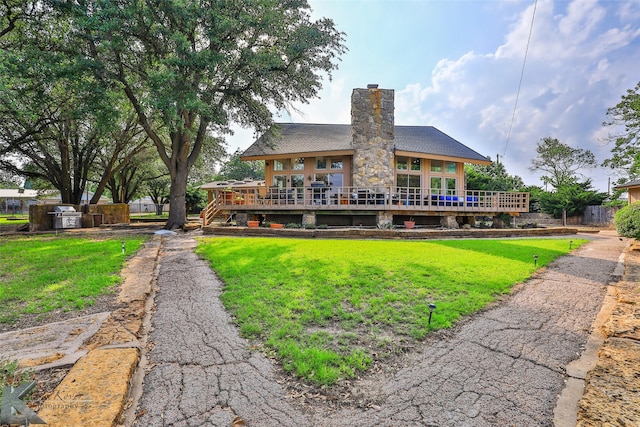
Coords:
372,137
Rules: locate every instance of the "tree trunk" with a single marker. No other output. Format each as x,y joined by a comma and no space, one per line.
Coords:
177,198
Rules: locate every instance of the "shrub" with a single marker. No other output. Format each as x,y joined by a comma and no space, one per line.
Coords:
627,221
293,225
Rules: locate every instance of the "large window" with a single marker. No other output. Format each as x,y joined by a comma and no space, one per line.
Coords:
297,181
280,181
450,184
279,165
405,180
436,184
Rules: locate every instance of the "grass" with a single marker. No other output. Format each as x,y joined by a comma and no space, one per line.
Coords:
328,308
46,273
10,219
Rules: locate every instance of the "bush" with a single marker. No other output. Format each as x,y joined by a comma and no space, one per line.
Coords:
627,221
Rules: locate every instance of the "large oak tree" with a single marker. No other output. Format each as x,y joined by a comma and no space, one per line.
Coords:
190,67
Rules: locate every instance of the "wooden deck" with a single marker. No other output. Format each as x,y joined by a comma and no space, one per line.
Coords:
407,201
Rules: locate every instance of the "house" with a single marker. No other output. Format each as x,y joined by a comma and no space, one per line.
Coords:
370,173
633,190
16,200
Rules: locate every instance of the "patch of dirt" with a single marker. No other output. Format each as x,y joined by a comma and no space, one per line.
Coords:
362,391
101,304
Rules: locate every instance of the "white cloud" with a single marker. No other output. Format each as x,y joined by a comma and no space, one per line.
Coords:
577,68
582,57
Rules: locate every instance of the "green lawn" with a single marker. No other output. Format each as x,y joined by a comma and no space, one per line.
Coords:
10,219
45,273
328,308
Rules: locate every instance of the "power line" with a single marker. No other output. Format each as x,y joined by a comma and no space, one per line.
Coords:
524,62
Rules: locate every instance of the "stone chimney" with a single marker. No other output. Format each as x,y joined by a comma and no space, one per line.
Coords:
372,136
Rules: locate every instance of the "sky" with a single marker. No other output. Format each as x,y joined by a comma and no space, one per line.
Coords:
457,65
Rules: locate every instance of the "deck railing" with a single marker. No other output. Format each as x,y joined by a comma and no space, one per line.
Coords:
371,198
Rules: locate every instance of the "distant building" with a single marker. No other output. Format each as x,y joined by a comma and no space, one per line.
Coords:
17,200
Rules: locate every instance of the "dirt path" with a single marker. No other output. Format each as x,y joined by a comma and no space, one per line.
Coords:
506,366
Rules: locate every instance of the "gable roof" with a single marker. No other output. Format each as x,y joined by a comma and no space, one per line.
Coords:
634,183
302,138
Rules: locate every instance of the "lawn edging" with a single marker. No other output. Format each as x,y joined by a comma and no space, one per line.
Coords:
372,233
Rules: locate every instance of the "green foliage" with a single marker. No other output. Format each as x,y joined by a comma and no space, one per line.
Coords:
321,304
560,162
42,274
196,199
240,170
626,151
616,203
573,198
492,177
535,193
627,221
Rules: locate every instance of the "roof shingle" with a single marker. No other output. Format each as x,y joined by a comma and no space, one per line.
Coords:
297,138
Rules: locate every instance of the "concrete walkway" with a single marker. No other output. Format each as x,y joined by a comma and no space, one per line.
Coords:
504,367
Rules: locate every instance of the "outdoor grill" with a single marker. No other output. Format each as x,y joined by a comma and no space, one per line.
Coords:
66,217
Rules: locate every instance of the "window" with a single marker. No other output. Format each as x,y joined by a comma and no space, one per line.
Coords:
415,164
335,180
321,163
322,177
405,180
450,184
436,165
280,181
279,165
336,163
297,164
450,167
297,181
436,184
401,163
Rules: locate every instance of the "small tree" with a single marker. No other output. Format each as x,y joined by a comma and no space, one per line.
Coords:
561,162
627,221
572,199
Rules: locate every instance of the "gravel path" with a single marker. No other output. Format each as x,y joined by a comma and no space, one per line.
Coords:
503,367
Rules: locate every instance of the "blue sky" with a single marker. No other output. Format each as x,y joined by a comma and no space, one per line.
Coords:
456,65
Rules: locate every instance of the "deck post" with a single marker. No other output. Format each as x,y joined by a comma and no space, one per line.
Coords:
309,218
384,219
449,222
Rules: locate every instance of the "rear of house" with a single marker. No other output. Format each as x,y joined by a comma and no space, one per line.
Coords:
370,173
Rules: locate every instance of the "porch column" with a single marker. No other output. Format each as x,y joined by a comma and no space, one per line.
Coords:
309,218
449,221
384,219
